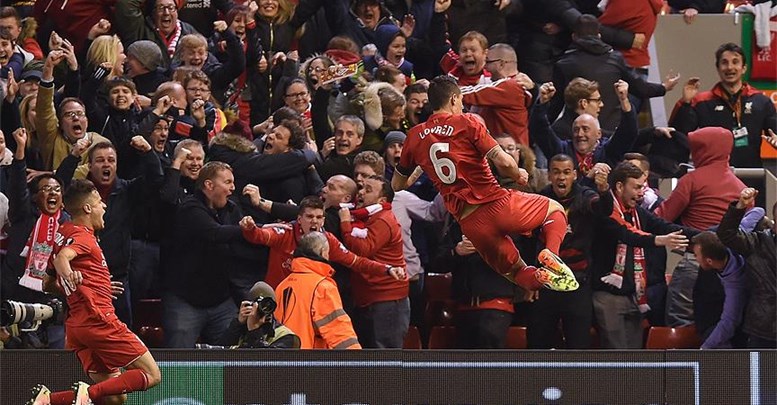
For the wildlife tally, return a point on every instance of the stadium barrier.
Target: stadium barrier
(220, 377)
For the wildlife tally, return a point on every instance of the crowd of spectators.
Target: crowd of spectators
(221, 134)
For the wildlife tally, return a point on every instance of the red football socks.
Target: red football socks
(554, 229)
(129, 381)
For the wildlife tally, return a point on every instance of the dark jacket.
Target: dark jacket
(473, 280)
(123, 204)
(609, 150)
(583, 205)
(714, 109)
(251, 167)
(337, 164)
(270, 335)
(202, 253)
(759, 250)
(610, 232)
(592, 59)
(147, 83)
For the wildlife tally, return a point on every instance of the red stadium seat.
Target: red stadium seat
(439, 313)
(661, 337)
(152, 336)
(516, 338)
(147, 312)
(412, 339)
(442, 337)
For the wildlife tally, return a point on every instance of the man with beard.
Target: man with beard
(620, 266)
(35, 212)
(123, 199)
(57, 135)
(574, 309)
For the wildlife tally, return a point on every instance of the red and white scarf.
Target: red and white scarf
(615, 278)
(361, 215)
(38, 250)
(172, 40)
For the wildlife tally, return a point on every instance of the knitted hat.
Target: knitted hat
(147, 53)
(393, 137)
(32, 71)
(261, 289)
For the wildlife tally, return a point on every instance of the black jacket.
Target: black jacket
(759, 250)
(583, 205)
(123, 203)
(203, 253)
(610, 232)
(592, 59)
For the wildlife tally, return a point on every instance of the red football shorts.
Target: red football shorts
(104, 348)
(489, 227)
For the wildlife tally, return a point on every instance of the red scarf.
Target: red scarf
(615, 278)
(585, 163)
(38, 250)
(172, 40)
(361, 215)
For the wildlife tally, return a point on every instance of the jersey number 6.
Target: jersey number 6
(442, 163)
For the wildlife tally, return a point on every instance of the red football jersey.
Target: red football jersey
(451, 149)
(91, 303)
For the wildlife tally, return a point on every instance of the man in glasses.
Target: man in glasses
(61, 132)
(35, 212)
(159, 22)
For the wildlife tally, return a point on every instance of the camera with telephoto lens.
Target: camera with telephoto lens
(29, 317)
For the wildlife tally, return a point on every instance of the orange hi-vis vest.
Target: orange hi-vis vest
(309, 304)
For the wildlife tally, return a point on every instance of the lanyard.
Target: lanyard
(736, 107)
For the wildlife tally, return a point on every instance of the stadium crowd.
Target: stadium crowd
(221, 134)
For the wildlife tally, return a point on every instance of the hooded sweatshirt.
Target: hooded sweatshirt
(702, 196)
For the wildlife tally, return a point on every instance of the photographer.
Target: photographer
(255, 327)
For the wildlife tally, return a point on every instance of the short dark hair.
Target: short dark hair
(10, 12)
(711, 246)
(210, 171)
(120, 82)
(76, 195)
(297, 138)
(638, 156)
(730, 47)
(415, 88)
(385, 190)
(440, 91)
(587, 26)
(286, 113)
(623, 172)
(310, 202)
(66, 100)
(561, 157)
(99, 146)
(34, 185)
